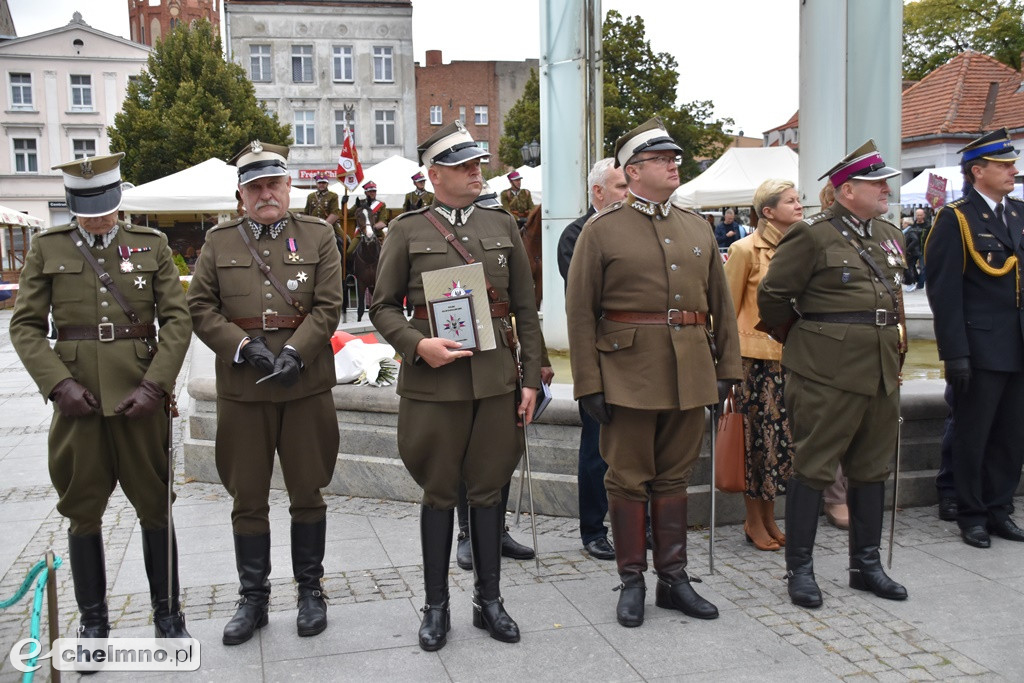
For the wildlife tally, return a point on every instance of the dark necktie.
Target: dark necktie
(1004, 231)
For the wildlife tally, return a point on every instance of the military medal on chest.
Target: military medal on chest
(293, 250)
(125, 252)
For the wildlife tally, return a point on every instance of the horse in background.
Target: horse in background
(364, 266)
(531, 234)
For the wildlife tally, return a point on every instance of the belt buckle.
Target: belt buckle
(880, 317)
(668, 316)
(264, 316)
(105, 332)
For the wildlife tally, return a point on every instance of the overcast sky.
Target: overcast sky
(741, 54)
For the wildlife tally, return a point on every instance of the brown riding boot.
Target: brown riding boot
(628, 524)
(668, 525)
(754, 528)
(768, 513)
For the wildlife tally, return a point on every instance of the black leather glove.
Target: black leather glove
(724, 385)
(596, 407)
(73, 399)
(958, 374)
(145, 400)
(256, 354)
(288, 364)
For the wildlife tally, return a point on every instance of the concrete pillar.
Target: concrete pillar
(850, 86)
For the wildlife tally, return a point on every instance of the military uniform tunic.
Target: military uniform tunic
(417, 199)
(974, 295)
(841, 393)
(89, 455)
(658, 378)
(457, 420)
(254, 420)
(322, 204)
(519, 204)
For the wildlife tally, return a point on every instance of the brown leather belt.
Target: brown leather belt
(499, 309)
(270, 321)
(105, 332)
(880, 317)
(672, 316)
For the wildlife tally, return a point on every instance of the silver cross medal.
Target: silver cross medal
(139, 282)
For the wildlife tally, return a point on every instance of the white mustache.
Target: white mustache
(269, 202)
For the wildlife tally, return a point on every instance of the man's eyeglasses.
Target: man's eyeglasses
(667, 161)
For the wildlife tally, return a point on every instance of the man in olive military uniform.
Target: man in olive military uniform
(645, 283)
(322, 203)
(109, 378)
(843, 354)
(457, 414)
(973, 268)
(368, 210)
(275, 371)
(516, 199)
(419, 197)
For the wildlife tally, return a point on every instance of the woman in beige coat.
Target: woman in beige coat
(769, 445)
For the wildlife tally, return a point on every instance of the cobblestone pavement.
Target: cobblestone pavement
(963, 618)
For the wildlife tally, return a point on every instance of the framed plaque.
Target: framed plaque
(452, 318)
(455, 281)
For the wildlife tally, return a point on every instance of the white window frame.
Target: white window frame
(485, 146)
(462, 114)
(85, 153)
(260, 61)
(21, 89)
(339, 126)
(305, 59)
(436, 115)
(305, 128)
(480, 114)
(383, 122)
(383, 64)
(83, 91)
(343, 64)
(28, 153)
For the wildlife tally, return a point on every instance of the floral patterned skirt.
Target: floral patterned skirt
(768, 439)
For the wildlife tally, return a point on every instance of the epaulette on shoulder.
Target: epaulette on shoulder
(228, 223)
(956, 202)
(304, 218)
(141, 229)
(414, 212)
(57, 229)
(614, 206)
(1015, 199)
(818, 217)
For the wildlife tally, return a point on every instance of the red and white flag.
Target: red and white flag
(350, 171)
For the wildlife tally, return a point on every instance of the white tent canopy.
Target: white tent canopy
(394, 179)
(733, 178)
(208, 187)
(531, 181)
(17, 218)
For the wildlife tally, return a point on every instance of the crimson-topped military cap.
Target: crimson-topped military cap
(864, 163)
(450, 146)
(92, 185)
(649, 136)
(260, 160)
(994, 146)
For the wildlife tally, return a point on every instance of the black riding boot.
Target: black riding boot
(509, 546)
(668, 526)
(168, 619)
(627, 518)
(308, 569)
(866, 503)
(89, 573)
(802, 504)
(463, 553)
(485, 529)
(436, 541)
(252, 558)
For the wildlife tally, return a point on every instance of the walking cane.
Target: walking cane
(711, 536)
(895, 492)
(170, 497)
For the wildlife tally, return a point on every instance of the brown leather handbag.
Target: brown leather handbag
(730, 450)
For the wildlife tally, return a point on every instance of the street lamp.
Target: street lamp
(531, 153)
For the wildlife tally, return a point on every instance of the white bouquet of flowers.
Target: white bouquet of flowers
(363, 361)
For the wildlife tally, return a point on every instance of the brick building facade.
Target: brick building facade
(151, 21)
(480, 93)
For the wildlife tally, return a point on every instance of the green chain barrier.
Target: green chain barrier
(39, 573)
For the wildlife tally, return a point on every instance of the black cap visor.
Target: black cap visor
(93, 203)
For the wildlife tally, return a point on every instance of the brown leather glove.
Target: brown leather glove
(144, 400)
(73, 399)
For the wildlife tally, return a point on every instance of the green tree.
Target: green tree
(188, 105)
(522, 123)
(638, 84)
(935, 31)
